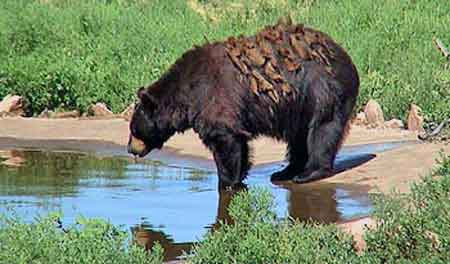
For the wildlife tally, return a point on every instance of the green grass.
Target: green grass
(258, 237)
(90, 241)
(67, 54)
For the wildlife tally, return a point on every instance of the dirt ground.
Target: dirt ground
(395, 168)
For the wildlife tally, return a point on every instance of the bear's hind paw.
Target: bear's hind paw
(312, 176)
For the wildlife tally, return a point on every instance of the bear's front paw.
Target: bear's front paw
(284, 175)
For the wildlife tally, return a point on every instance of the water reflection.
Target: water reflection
(178, 204)
(322, 203)
(145, 236)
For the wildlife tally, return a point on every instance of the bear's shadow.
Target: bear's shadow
(349, 162)
(342, 163)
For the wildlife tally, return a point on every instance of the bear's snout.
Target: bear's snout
(137, 147)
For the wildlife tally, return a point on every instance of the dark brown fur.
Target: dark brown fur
(305, 99)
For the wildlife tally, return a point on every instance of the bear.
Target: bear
(288, 81)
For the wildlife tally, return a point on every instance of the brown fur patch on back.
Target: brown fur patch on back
(266, 58)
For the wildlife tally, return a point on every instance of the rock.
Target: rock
(67, 114)
(128, 112)
(13, 162)
(12, 105)
(415, 120)
(44, 114)
(394, 123)
(12, 158)
(100, 110)
(357, 228)
(360, 119)
(434, 238)
(374, 114)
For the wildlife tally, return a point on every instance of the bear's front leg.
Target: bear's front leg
(231, 154)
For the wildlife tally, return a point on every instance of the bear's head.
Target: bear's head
(146, 132)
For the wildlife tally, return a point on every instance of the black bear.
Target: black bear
(289, 82)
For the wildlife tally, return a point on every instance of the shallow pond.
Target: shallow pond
(172, 204)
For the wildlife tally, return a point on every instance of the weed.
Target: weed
(89, 241)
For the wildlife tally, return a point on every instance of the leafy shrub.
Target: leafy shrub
(91, 241)
(257, 237)
(415, 228)
(412, 228)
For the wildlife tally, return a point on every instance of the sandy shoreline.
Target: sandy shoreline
(394, 168)
(116, 131)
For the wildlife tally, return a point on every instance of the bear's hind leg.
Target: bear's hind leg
(231, 155)
(323, 143)
(297, 156)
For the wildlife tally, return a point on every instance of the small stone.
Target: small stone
(12, 105)
(360, 119)
(357, 228)
(13, 162)
(415, 120)
(100, 110)
(394, 123)
(128, 112)
(374, 114)
(434, 238)
(67, 114)
(44, 114)
(12, 158)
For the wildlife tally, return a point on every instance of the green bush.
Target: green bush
(257, 237)
(415, 228)
(68, 54)
(91, 241)
(412, 228)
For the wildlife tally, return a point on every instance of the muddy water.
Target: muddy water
(172, 204)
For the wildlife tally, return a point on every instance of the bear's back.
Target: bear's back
(276, 54)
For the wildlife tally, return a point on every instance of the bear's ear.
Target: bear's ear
(145, 97)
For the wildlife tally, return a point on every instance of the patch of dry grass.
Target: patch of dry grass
(216, 10)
